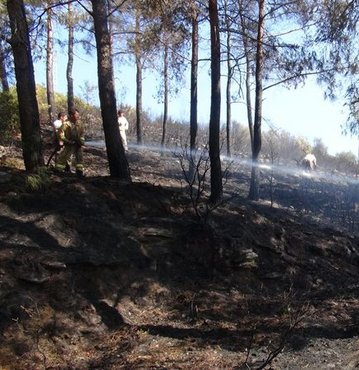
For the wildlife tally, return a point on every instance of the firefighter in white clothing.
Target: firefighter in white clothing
(309, 162)
(123, 126)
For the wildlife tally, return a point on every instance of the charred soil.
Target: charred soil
(97, 273)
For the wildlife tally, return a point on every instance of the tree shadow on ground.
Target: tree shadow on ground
(116, 250)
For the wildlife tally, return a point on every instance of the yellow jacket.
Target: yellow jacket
(72, 133)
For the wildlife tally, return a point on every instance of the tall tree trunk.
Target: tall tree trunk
(248, 79)
(229, 81)
(70, 60)
(25, 86)
(194, 92)
(165, 94)
(138, 82)
(115, 151)
(3, 73)
(139, 130)
(194, 83)
(257, 135)
(229, 108)
(249, 100)
(214, 123)
(50, 65)
(228, 91)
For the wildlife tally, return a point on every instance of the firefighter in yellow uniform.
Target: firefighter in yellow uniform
(71, 134)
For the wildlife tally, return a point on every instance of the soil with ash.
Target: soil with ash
(98, 273)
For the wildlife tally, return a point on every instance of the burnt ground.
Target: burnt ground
(97, 273)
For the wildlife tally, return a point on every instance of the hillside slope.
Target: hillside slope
(101, 274)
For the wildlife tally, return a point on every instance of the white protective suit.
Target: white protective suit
(123, 126)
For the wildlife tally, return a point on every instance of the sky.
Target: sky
(301, 112)
(305, 112)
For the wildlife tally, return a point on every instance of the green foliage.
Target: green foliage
(304, 145)
(90, 114)
(60, 99)
(39, 181)
(9, 113)
(346, 162)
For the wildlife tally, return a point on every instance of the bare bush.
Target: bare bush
(195, 167)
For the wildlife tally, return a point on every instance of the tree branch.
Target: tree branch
(296, 76)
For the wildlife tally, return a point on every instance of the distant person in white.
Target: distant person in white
(123, 126)
(309, 162)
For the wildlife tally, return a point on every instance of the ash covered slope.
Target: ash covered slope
(96, 273)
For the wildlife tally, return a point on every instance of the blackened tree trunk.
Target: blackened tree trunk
(214, 123)
(194, 83)
(257, 135)
(25, 86)
(50, 65)
(3, 73)
(229, 81)
(165, 95)
(139, 130)
(248, 77)
(70, 60)
(194, 94)
(229, 96)
(115, 151)
(249, 100)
